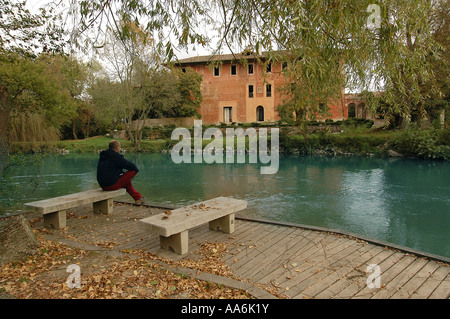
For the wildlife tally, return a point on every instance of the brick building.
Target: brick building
(244, 88)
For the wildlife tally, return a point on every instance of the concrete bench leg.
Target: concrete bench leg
(104, 207)
(225, 224)
(56, 220)
(177, 242)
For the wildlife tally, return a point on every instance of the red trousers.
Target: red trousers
(125, 182)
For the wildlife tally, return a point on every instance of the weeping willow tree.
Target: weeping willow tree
(387, 46)
(381, 45)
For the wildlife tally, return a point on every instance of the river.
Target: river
(400, 201)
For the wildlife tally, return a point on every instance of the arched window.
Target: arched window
(260, 114)
(351, 110)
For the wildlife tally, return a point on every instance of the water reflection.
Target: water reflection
(362, 202)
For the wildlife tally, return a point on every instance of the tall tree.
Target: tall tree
(129, 56)
(22, 35)
(330, 43)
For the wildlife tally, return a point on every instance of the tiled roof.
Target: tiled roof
(222, 57)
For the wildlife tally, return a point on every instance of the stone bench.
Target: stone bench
(173, 226)
(54, 209)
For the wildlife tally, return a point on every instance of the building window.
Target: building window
(183, 70)
(268, 90)
(227, 112)
(323, 108)
(269, 68)
(250, 69)
(233, 70)
(260, 114)
(250, 91)
(284, 66)
(352, 110)
(216, 71)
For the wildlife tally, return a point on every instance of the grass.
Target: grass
(352, 141)
(86, 145)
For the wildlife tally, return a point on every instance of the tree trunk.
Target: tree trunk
(442, 118)
(17, 239)
(5, 109)
(74, 129)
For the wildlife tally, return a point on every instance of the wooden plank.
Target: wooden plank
(298, 258)
(309, 277)
(390, 268)
(261, 256)
(414, 283)
(400, 279)
(359, 279)
(349, 275)
(430, 283)
(252, 237)
(261, 242)
(338, 272)
(314, 262)
(278, 264)
(443, 289)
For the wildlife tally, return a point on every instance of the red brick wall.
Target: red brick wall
(226, 90)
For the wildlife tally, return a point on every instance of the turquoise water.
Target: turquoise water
(401, 201)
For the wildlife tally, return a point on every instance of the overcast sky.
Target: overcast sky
(34, 6)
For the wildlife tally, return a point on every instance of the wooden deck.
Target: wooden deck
(300, 263)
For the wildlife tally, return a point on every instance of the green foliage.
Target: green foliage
(161, 95)
(334, 144)
(173, 93)
(188, 85)
(354, 122)
(427, 144)
(34, 85)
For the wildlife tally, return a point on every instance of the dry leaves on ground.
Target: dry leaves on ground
(45, 275)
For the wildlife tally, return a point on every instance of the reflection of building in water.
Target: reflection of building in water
(229, 179)
(236, 179)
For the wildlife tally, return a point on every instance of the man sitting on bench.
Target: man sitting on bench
(110, 175)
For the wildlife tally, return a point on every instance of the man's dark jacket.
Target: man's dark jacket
(110, 167)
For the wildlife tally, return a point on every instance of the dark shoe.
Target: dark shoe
(139, 201)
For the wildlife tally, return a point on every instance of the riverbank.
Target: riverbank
(413, 143)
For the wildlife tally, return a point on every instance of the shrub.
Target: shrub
(427, 144)
(357, 122)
